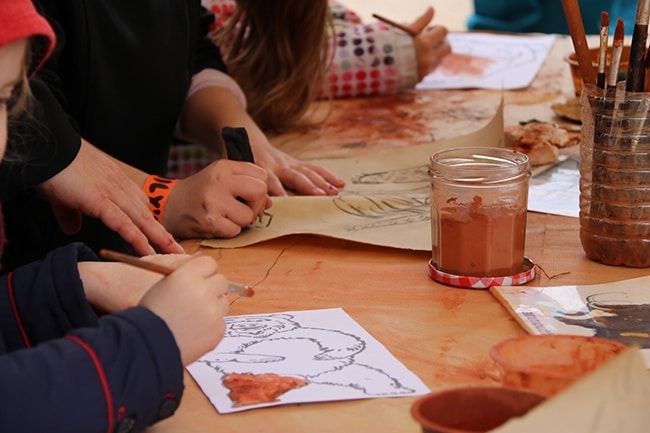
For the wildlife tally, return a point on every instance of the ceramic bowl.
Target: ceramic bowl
(471, 409)
(547, 364)
(576, 76)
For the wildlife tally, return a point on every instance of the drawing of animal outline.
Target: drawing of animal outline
(409, 175)
(505, 55)
(276, 343)
(406, 205)
(408, 201)
(501, 56)
(384, 210)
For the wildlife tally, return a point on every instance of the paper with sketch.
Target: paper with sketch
(619, 311)
(556, 191)
(385, 201)
(489, 61)
(299, 357)
(613, 398)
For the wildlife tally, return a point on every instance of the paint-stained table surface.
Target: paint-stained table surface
(443, 334)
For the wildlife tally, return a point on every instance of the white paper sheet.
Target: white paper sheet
(336, 357)
(490, 61)
(557, 190)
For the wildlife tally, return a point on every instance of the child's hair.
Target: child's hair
(19, 110)
(20, 95)
(278, 53)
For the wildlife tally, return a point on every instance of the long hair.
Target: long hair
(278, 53)
(18, 111)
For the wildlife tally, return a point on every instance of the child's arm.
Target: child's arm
(76, 372)
(124, 371)
(80, 373)
(377, 59)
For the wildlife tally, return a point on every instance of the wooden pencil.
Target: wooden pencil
(234, 288)
(396, 25)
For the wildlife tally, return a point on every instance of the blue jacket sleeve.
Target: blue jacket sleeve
(79, 373)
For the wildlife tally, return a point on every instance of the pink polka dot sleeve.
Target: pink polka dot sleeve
(370, 60)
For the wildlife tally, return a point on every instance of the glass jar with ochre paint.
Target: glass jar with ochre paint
(479, 200)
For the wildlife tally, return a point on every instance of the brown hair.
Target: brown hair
(278, 53)
(19, 110)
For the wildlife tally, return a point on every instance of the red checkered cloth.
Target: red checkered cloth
(528, 273)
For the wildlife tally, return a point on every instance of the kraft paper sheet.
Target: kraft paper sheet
(385, 202)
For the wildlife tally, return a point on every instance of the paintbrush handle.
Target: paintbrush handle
(617, 53)
(135, 261)
(636, 68)
(397, 25)
(602, 53)
(579, 38)
(234, 288)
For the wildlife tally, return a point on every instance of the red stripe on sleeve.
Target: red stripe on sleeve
(14, 308)
(102, 378)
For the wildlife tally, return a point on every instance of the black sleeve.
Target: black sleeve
(45, 139)
(208, 55)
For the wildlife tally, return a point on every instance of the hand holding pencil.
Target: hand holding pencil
(192, 304)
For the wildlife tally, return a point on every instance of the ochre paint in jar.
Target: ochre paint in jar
(479, 240)
(479, 204)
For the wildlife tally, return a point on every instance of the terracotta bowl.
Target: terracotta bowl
(576, 76)
(471, 409)
(547, 364)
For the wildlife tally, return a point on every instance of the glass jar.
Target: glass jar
(479, 201)
(615, 176)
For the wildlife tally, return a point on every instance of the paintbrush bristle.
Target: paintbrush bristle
(619, 32)
(604, 19)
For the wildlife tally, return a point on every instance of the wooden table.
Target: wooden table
(443, 334)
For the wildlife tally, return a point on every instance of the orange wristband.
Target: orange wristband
(157, 189)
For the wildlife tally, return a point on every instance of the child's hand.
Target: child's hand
(192, 301)
(218, 201)
(431, 43)
(112, 286)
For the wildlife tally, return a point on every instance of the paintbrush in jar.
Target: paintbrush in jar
(234, 288)
(614, 69)
(636, 69)
(579, 38)
(602, 53)
(617, 53)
